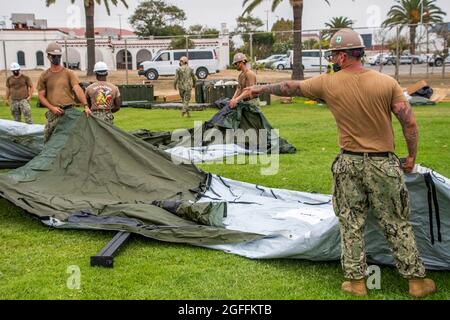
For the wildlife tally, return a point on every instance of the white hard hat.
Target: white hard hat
(100, 67)
(14, 66)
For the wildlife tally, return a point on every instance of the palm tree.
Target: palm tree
(89, 6)
(297, 8)
(409, 12)
(335, 24)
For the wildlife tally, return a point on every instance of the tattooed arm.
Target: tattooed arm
(283, 89)
(405, 116)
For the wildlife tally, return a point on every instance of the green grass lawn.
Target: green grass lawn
(34, 259)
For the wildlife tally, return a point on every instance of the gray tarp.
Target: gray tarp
(92, 175)
(19, 143)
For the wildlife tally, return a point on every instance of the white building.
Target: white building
(27, 47)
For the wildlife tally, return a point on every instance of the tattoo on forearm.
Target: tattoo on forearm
(283, 89)
(404, 114)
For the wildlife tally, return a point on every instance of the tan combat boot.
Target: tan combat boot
(355, 287)
(421, 287)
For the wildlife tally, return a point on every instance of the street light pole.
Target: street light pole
(120, 26)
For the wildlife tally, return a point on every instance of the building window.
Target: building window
(21, 58)
(39, 58)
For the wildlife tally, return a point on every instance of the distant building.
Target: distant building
(21, 21)
(27, 41)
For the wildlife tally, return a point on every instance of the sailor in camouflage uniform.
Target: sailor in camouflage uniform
(184, 82)
(368, 176)
(19, 89)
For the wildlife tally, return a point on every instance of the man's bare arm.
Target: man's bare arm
(283, 89)
(30, 92)
(80, 95)
(117, 104)
(405, 116)
(7, 95)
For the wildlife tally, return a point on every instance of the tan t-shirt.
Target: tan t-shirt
(58, 86)
(18, 87)
(246, 79)
(102, 95)
(361, 104)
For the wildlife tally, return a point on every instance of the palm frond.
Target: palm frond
(252, 6)
(275, 4)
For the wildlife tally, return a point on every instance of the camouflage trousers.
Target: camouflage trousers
(185, 95)
(52, 121)
(106, 116)
(19, 107)
(377, 183)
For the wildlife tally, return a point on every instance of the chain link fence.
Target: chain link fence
(388, 50)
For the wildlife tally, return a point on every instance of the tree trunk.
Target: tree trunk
(90, 35)
(412, 39)
(297, 68)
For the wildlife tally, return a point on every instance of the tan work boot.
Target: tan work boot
(421, 287)
(355, 287)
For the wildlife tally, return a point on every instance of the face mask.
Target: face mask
(336, 67)
(16, 72)
(56, 60)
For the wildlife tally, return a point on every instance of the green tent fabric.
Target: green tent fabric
(93, 175)
(245, 116)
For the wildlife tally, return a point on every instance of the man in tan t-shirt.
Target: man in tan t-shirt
(57, 88)
(103, 97)
(247, 78)
(367, 175)
(20, 89)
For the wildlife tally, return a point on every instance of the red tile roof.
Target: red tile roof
(80, 32)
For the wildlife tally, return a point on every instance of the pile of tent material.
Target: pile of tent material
(19, 143)
(222, 136)
(95, 176)
(212, 140)
(421, 94)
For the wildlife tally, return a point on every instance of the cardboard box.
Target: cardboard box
(416, 86)
(172, 98)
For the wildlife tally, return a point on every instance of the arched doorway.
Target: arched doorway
(39, 59)
(120, 60)
(141, 56)
(73, 58)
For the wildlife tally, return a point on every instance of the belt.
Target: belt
(101, 110)
(67, 107)
(369, 154)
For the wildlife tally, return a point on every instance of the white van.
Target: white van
(166, 62)
(311, 59)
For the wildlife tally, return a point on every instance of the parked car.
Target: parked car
(267, 62)
(281, 64)
(166, 62)
(384, 58)
(311, 60)
(438, 61)
(414, 59)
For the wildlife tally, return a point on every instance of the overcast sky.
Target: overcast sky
(365, 13)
